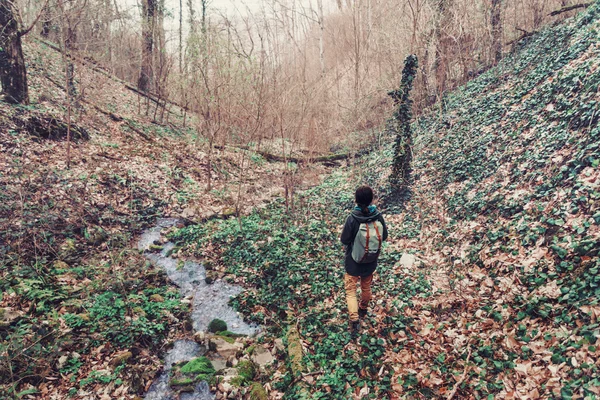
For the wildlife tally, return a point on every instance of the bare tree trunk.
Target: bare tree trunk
(13, 73)
(181, 37)
(497, 30)
(321, 36)
(46, 22)
(70, 40)
(440, 64)
(148, 18)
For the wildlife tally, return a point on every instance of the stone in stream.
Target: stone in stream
(217, 325)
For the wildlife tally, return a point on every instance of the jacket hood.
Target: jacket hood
(361, 217)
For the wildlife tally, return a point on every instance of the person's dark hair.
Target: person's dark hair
(364, 197)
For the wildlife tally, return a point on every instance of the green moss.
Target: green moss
(258, 392)
(238, 381)
(154, 247)
(217, 325)
(226, 338)
(198, 366)
(181, 382)
(250, 349)
(230, 334)
(247, 370)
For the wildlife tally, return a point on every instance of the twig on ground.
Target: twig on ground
(462, 378)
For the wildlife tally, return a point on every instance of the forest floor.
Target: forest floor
(501, 301)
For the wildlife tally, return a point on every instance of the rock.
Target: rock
(61, 265)
(246, 369)
(407, 260)
(188, 212)
(157, 298)
(225, 387)
(120, 358)
(157, 248)
(211, 276)
(262, 357)
(95, 235)
(62, 360)
(279, 345)
(219, 363)
(199, 337)
(187, 374)
(8, 316)
(228, 212)
(217, 325)
(223, 348)
(233, 394)
(257, 392)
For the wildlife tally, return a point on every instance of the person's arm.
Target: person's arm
(347, 232)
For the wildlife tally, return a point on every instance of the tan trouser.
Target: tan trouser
(365, 295)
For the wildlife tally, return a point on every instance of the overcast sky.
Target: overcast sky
(233, 9)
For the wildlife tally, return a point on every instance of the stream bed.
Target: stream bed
(209, 301)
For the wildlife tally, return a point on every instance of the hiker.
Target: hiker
(362, 235)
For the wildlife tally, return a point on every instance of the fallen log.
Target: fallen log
(298, 160)
(569, 8)
(94, 66)
(111, 115)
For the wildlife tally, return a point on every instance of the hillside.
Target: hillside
(502, 299)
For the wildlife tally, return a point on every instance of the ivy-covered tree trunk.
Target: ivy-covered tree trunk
(401, 168)
(13, 73)
(496, 23)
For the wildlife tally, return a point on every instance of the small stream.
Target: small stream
(208, 302)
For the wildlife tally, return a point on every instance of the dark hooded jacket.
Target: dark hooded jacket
(349, 233)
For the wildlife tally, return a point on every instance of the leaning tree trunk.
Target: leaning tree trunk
(148, 18)
(496, 22)
(13, 74)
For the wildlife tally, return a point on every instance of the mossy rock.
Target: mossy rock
(231, 334)
(198, 366)
(155, 248)
(228, 339)
(217, 325)
(181, 382)
(228, 212)
(187, 374)
(258, 392)
(238, 381)
(246, 370)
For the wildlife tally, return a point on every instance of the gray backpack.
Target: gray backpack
(367, 242)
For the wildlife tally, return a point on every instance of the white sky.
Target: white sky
(233, 9)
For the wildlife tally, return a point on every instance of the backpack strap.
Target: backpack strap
(378, 234)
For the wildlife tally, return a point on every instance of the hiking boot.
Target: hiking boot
(362, 312)
(354, 327)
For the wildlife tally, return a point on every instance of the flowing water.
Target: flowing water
(208, 302)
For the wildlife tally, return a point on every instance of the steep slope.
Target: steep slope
(507, 201)
(502, 301)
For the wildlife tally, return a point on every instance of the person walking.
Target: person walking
(363, 234)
